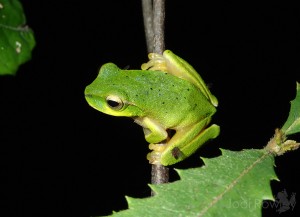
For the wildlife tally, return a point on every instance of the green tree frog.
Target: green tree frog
(166, 96)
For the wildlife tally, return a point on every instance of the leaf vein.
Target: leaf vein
(230, 186)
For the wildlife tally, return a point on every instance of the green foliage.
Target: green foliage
(292, 125)
(16, 39)
(234, 184)
(279, 144)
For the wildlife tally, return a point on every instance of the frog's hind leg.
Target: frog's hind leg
(206, 135)
(183, 144)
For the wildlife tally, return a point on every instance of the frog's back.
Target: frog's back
(163, 96)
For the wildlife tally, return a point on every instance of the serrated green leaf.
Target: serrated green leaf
(292, 125)
(234, 184)
(16, 39)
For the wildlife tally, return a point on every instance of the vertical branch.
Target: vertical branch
(154, 19)
(148, 23)
(159, 26)
(154, 24)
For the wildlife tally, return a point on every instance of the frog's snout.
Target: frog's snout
(88, 95)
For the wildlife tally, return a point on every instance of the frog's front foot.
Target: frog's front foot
(154, 157)
(156, 62)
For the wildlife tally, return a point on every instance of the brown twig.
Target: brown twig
(154, 19)
(159, 26)
(148, 23)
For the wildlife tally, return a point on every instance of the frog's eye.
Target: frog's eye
(114, 102)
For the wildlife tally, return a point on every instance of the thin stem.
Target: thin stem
(154, 18)
(159, 173)
(148, 24)
(159, 25)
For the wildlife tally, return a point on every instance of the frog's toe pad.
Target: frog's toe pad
(159, 147)
(154, 157)
(156, 63)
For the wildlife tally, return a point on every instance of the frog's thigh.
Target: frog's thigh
(185, 142)
(209, 133)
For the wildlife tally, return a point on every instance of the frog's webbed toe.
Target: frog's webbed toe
(156, 63)
(154, 157)
(159, 147)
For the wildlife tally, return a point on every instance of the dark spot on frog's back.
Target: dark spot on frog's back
(195, 106)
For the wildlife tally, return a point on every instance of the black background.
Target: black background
(60, 157)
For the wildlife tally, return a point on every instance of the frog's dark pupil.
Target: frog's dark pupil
(112, 103)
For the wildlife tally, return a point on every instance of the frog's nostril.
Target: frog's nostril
(88, 95)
